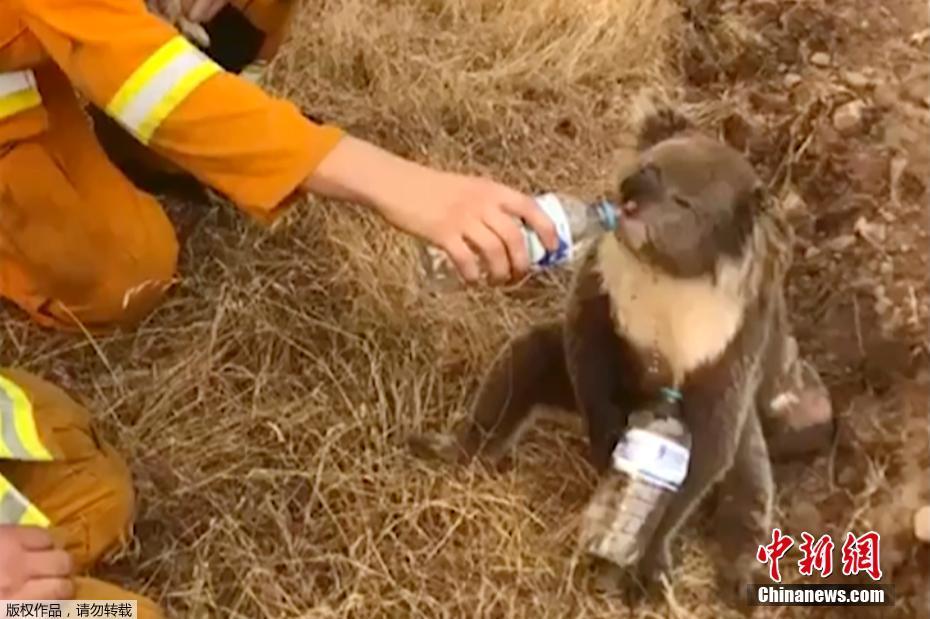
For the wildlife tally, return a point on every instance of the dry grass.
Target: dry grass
(263, 407)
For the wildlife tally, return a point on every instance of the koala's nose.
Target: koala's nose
(629, 208)
(644, 184)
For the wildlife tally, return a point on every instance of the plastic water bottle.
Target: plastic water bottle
(575, 222)
(649, 465)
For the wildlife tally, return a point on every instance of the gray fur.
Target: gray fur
(603, 362)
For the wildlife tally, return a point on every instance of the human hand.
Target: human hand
(470, 218)
(31, 567)
(200, 11)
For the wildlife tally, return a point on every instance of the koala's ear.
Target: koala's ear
(755, 201)
(656, 120)
(663, 124)
(750, 205)
(760, 198)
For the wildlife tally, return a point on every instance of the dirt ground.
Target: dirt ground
(264, 406)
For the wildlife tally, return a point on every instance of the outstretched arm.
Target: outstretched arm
(260, 151)
(452, 211)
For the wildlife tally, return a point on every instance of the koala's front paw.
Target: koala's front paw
(655, 566)
(436, 446)
(734, 579)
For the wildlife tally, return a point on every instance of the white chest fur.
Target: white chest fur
(688, 321)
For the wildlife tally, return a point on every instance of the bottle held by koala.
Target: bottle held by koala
(649, 465)
(575, 222)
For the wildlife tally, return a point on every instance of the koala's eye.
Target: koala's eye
(683, 203)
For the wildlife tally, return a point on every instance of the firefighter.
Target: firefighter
(80, 244)
(66, 497)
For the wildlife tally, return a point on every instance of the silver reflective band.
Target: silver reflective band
(145, 101)
(16, 81)
(18, 92)
(8, 429)
(12, 507)
(159, 85)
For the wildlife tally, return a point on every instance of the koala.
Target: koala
(687, 292)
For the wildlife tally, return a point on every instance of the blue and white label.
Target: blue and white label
(645, 455)
(539, 255)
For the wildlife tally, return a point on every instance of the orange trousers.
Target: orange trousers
(87, 494)
(80, 245)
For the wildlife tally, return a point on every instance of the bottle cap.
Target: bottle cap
(608, 214)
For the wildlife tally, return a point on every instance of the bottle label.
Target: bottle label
(539, 256)
(659, 460)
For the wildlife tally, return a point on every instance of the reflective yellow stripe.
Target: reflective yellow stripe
(34, 518)
(18, 92)
(16, 509)
(159, 85)
(19, 437)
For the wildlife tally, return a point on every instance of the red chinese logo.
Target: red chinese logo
(774, 551)
(817, 555)
(861, 554)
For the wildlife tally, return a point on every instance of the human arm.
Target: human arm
(452, 211)
(259, 151)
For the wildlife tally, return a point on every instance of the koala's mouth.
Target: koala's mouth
(632, 231)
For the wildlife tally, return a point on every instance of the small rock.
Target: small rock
(885, 96)
(847, 477)
(793, 203)
(868, 169)
(820, 59)
(919, 38)
(848, 118)
(883, 305)
(915, 91)
(854, 79)
(738, 130)
(811, 252)
(792, 80)
(922, 524)
(805, 516)
(893, 323)
(840, 243)
(873, 233)
(887, 267)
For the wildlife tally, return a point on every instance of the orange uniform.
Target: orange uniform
(80, 244)
(78, 241)
(56, 472)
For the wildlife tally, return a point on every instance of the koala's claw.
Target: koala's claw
(655, 567)
(172, 12)
(194, 31)
(435, 446)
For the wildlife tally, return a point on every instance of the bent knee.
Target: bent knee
(115, 509)
(137, 270)
(127, 279)
(100, 516)
(86, 490)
